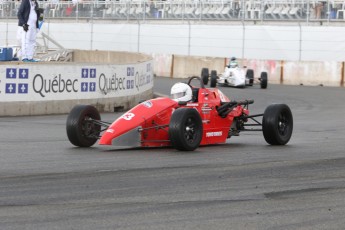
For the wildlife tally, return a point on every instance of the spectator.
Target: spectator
(153, 9)
(318, 10)
(28, 15)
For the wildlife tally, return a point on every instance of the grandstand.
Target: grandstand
(248, 10)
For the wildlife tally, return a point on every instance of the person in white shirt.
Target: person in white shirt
(28, 15)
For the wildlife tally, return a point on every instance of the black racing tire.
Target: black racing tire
(80, 131)
(185, 129)
(205, 75)
(213, 82)
(263, 80)
(250, 76)
(277, 124)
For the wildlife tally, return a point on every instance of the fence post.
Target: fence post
(6, 31)
(91, 35)
(138, 45)
(300, 42)
(342, 74)
(189, 37)
(243, 39)
(282, 72)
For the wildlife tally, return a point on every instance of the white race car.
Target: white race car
(233, 76)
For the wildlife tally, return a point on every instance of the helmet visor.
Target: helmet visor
(178, 95)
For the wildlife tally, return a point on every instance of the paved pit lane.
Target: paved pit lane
(46, 183)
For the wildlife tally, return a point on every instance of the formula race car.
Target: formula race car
(234, 76)
(194, 116)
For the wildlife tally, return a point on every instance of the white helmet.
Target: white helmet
(233, 64)
(181, 92)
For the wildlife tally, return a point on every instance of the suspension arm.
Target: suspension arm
(227, 107)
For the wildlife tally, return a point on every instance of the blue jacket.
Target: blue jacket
(24, 12)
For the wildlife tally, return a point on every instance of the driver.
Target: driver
(181, 92)
(233, 63)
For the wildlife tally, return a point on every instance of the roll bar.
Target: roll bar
(198, 78)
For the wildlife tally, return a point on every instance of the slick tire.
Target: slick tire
(213, 82)
(277, 124)
(205, 75)
(263, 80)
(81, 131)
(185, 129)
(250, 77)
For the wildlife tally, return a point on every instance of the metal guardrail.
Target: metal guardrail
(236, 10)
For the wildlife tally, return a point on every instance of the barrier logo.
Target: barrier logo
(84, 73)
(24, 73)
(92, 87)
(130, 71)
(17, 86)
(10, 88)
(84, 86)
(11, 73)
(89, 86)
(23, 88)
(92, 73)
(88, 73)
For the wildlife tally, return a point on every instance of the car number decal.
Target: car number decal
(128, 116)
(110, 131)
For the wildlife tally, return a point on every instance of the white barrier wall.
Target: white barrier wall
(288, 42)
(32, 88)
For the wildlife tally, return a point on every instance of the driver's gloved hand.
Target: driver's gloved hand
(26, 27)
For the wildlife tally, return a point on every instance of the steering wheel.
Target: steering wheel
(198, 78)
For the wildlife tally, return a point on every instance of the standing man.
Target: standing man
(28, 15)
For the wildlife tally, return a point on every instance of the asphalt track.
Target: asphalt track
(46, 183)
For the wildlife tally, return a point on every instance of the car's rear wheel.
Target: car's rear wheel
(185, 129)
(213, 82)
(263, 80)
(81, 130)
(250, 77)
(277, 124)
(205, 75)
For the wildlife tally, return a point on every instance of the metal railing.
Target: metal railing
(228, 10)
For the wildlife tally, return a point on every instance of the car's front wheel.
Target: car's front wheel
(277, 124)
(214, 77)
(263, 80)
(204, 75)
(185, 129)
(250, 77)
(81, 130)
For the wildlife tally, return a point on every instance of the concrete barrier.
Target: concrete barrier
(121, 79)
(109, 80)
(279, 72)
(111, 57)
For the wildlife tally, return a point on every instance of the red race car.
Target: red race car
(194, 116)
